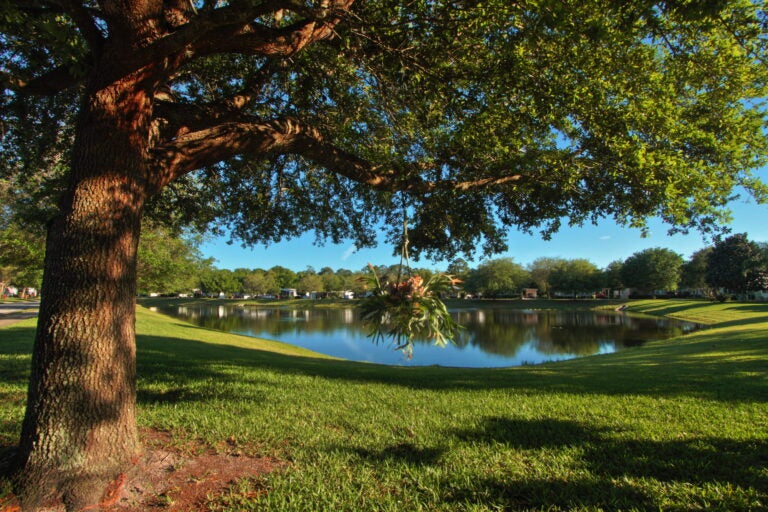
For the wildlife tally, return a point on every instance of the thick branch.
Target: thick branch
(257, 39)
(48, 84)
(209, 146)
(231, 29)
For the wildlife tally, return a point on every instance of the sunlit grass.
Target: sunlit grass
(675, 425)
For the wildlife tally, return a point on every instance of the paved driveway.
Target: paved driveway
(11, 312)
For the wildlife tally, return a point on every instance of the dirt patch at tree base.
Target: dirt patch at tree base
(170, 477)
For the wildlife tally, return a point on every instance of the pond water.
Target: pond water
(490, 338)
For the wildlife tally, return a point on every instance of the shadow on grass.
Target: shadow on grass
(401, 452)
(695, 460)
(613, 465)
(670, 308)
(549, 494)
(675, 368)
(659, 370)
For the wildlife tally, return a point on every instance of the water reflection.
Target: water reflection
(491, 338)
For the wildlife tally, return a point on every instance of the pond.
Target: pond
(490, 338)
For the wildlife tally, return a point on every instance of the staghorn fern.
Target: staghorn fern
(408, 310)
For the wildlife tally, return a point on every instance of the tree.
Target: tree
(576, 277)
(214, 281)
(612, 276)
(541, 270)
(500, 277)
(21, 254)
(284, 277)
(736, 264)
(652, 270)
(459, 268)
(694, 271)
(273, 118)
(168, 263)
(309, 281)
(331, 280)
(260, 282)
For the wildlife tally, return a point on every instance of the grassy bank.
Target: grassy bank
(674, 425)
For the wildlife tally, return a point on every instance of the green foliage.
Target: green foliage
(22, 249)
(597, 109)
(652, 270)
(541, 270)
(694, 271)
(219, 280)
(500, 277)
(577, 276)
(168, 263)
(408, 310)
(260, 282)
(310, 282)
(736, 264)
(612, 275)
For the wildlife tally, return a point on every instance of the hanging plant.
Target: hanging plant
(410, 308)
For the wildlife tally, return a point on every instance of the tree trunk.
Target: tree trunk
(79, 433)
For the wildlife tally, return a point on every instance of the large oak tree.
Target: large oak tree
(269, 118)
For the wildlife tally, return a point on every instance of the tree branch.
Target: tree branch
(258, 39)
(208, 146)
(48, 84)
(231, 29)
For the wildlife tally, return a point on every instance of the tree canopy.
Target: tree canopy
(737, 264)
(497, 278)
(652, 270)
(281, 117)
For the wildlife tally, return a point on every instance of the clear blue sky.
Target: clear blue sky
(600, 244)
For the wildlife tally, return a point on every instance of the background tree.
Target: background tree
(541, 270)
(169, 263)
(350, 281)
(22, 242)
(693, 275)
(331, 281)
(735, 264)
(214, 281)
(309, 281)
(260, 282)
(22, 248)
(458, 268)
(612, 276)
(652, 270)
(268, 119)
(500, 277)
(284, 277)
(575, 277)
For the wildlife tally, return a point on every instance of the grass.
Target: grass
(674, 425)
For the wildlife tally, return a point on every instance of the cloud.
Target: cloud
(349, 252)
(605, 237)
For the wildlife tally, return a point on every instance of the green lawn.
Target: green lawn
(674, 425)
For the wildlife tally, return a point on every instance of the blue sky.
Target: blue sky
(600, 244)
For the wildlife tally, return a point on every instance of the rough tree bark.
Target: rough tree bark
(79, 431)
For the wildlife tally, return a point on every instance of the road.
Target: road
(11, 312)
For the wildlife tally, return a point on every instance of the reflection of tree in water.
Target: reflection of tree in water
(559, 332)
(489, 331)
(273, 322)
(492, 331)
